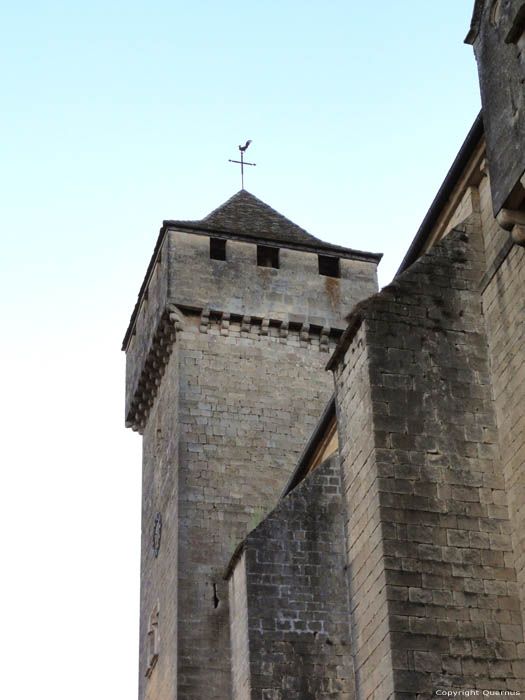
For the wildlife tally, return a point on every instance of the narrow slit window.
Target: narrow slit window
(217, 248)
(329, 266)
(267, 256)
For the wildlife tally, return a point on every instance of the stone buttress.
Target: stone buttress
(433, 587)
(289, 598)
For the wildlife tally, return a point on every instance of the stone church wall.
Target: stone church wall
(368, 602)
(439, 571)
(159, 571)
(151, 310)
(219, 444)
(240, 435)
(503, 294)
(294, 292)
(240, 641)
(295, 611)
(226, 381)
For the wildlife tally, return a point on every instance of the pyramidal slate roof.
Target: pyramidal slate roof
(245, 215)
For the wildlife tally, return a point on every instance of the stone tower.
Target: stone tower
(225, 380)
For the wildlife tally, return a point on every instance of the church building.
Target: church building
(334, 476)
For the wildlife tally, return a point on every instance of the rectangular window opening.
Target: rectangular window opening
(267, 256)
(329, 266)
(217, 248)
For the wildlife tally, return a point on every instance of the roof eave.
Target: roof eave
(318, 245)
(143, 287)
(465, 152)
(301, 469)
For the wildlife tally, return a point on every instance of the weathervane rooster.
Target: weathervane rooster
(241, 161)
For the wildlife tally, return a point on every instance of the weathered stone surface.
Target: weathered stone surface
(225, 380)
(240, 286)
(240, 436)
(427, 527)
(160, 483)
(296, 598)
(182, 276)
(497, 33)
(504, 314)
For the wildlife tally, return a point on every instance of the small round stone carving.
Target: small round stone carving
(157, 532)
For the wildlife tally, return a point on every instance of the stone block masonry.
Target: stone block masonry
(182, 276)
(368, 603)
(238, 285)
(220, 442)
(289, 604)
(240, 435)
(159, 573)
(434, 598)
(225, 381)
(503, 288)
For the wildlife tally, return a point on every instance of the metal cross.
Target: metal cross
(241, 161)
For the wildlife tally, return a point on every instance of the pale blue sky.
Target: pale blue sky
(113, 117)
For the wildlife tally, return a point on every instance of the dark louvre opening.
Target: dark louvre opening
(329, 266)
(267, 257)
(217, 249)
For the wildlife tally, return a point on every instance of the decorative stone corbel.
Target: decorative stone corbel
(514, 221)
(176, 317)
(324, 338)
(154, 366)
(304, 333)
(225, 324)
(204, 320)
